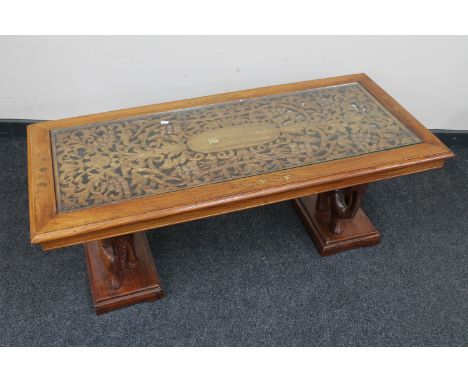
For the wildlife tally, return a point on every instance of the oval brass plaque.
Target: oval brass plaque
(230, 138)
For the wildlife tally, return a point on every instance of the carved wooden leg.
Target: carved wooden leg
(335, 220)
(121, 272)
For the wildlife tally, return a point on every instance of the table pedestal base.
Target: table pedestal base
(121, 272)
(332, 234)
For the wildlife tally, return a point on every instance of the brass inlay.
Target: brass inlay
(152, 154)
(231, 138)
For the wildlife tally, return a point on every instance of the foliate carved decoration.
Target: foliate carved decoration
(342, 203)
(153, 154)
(118, 254)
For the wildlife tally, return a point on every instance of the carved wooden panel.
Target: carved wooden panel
(124, 159)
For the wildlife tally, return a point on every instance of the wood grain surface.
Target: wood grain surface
(116, 285)
(53, 228)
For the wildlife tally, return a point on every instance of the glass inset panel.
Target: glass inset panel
(117, 160)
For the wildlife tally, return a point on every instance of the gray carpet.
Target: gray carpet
(253, 278)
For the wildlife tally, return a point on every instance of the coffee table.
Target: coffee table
(103, 179)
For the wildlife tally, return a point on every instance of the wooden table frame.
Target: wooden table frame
(51, 229)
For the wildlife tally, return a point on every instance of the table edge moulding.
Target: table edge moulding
(53, 230)
(327, 195)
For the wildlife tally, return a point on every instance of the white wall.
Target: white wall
(56, 77)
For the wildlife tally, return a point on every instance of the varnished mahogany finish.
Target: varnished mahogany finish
(150, 184)
(52, 229)
(335, 224)
(121, 272)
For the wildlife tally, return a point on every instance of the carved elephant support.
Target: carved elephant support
(118, 256)
(343, 204)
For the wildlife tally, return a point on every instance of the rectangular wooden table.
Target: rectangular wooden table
(103, 179)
